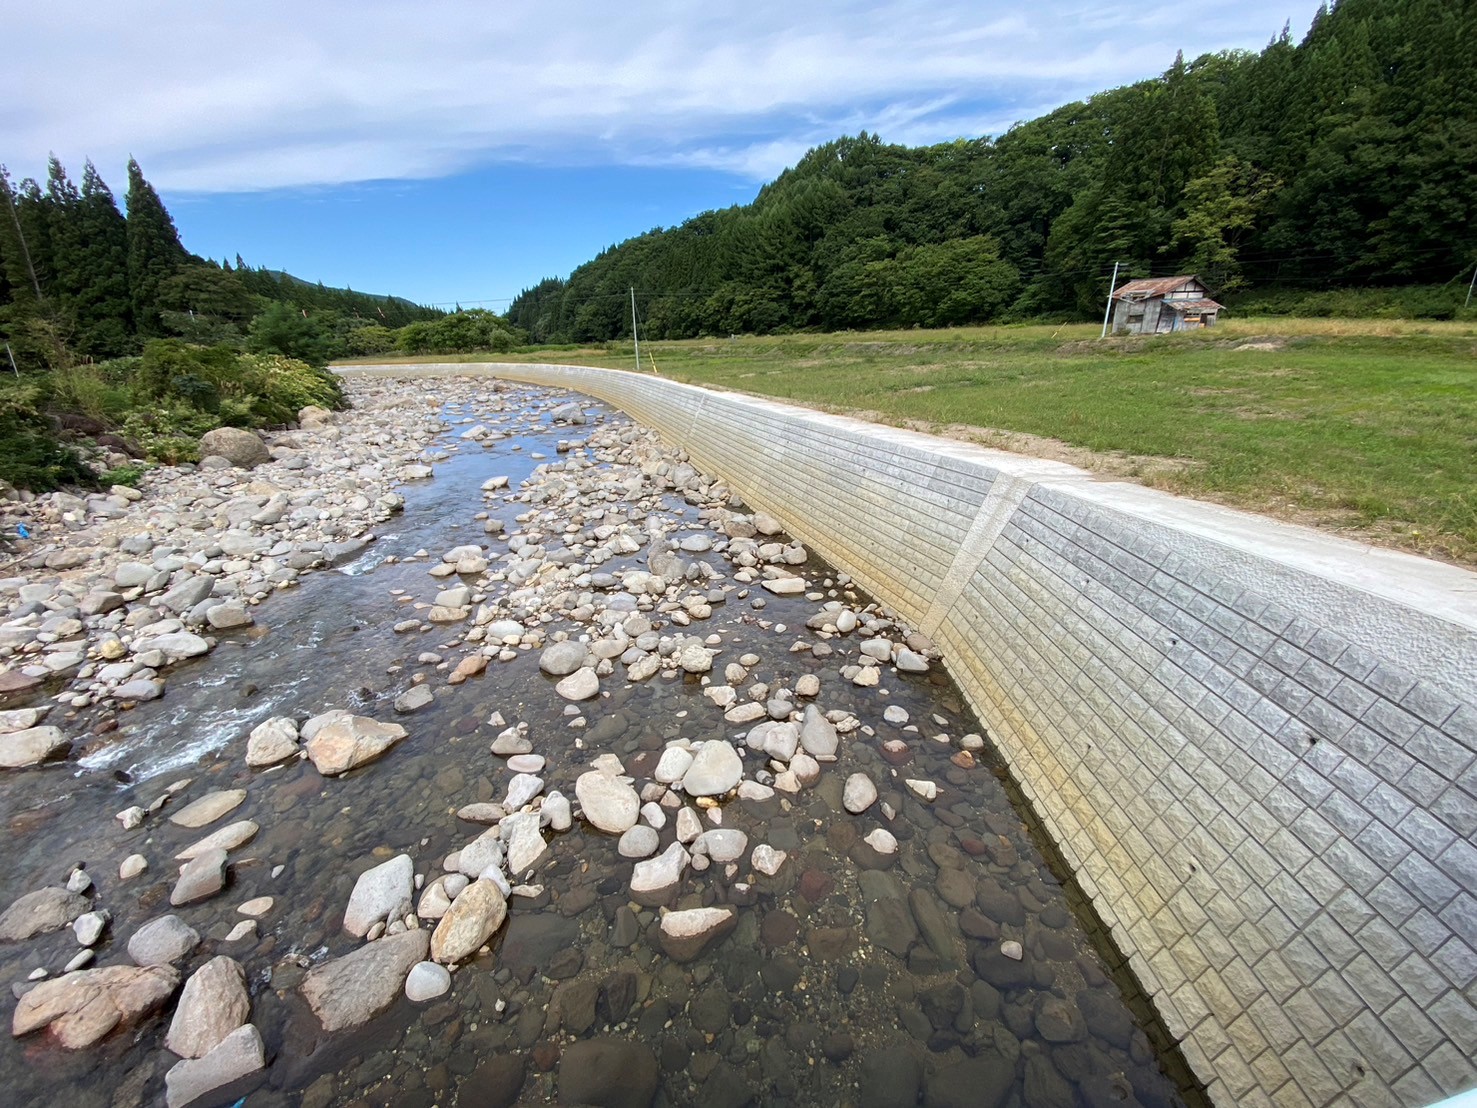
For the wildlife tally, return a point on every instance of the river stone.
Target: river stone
(983, 1082)
(427, 981)
(890, 1077)
(415, 698)
(721, 844)
(673, 763)
(716, 768)
(472, 919)
(32, 746)
(890, 925)
(40, 912)
(817, 735)
(512, 742)
(341, 741)
(227, 617)
(560, 659)
(161, 941)
(526, 763)
(639, 841)
(582, 684)
(610, 1073)
(271, 742)
(860, 793)
(936, 926)
(243, 449)
(209, 808)
(213, 1003)
(767, 860)
(140, 689)
(202, 877)
(1057, 1021)
(881, 840)
(654, 880)
(82, 1007)
(351, 990)
(382, 893)
(176, 646)
(526, 845)
(686, 935)
(228, 838)
(238, 1054)
(607, 802)
(20, 719)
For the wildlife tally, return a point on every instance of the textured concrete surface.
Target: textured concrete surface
(1256, 744)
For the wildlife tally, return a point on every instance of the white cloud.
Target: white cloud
(273, 94)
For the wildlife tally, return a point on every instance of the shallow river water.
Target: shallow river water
(849, 979)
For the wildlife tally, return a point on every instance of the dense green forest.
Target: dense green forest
(1343, 161)
(79, 280)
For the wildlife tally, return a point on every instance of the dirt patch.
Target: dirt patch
(1262, 344)
(918, 388)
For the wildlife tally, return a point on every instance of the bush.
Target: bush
(1410, 302)
(33, 457)
(129, 475)
(459, 333)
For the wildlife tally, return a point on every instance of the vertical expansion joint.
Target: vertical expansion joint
(1005, 496)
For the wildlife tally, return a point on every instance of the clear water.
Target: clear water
(792, 1008)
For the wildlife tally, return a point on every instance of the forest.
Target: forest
(1341, 162)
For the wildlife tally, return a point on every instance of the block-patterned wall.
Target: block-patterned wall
(1256, 745)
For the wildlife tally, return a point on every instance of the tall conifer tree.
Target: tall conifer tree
(154, 251)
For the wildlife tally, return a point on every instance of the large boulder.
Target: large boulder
(381, 894)
(32, 746)
(237, 1055)
(213, 1003)
(473, 918)
(338, 741)
(82, 1007)
(607, 802)
(351, 990)
(37, 913)
(243, 449)
(162, 940)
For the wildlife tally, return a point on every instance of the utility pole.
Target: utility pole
(635, 337)
(1108, 311)
(1470, 287)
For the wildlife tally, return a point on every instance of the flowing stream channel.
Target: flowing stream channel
(850, 978)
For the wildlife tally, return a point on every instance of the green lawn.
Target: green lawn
(1368, 428)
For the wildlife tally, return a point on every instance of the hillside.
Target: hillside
(1343, 160)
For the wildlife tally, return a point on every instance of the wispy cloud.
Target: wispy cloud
(274, 94)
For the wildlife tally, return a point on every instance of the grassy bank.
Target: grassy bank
(1364, 427)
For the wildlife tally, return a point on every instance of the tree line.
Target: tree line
(80, 280)
(1343, 160)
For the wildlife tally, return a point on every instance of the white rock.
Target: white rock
(927, 790)
(859, 794)
(381, 893)
(659, 876)
(673, 763)
(607, 802)
(639, 841)
(881, 840)
(426, 981)
(582, 684)
(721, 844)
(767, 860)
(716, 768)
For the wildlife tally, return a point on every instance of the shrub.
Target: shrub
(33, 457)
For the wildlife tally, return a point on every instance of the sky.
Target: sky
(458, 151)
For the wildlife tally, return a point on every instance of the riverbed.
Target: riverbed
(948, 961)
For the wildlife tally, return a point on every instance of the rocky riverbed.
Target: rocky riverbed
(575, 781)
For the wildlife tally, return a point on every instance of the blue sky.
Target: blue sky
(454, 150)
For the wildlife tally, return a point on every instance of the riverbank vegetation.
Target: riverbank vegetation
(1367, 428)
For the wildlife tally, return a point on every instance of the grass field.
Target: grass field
(1364, 427)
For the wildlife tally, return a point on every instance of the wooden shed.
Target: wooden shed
(1158, 305)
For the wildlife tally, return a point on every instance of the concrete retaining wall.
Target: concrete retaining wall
(1256, 744)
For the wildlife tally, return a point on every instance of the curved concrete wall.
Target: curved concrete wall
(1256, 744)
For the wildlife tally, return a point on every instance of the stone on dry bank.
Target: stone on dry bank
(235, 1056)
(351, 990)
(339, 741)
(607, 802)
(243, 449)
(82, 1007)
(212, 1004)
(40, 912)
(381, 894)
(472, 919)
(32, 746)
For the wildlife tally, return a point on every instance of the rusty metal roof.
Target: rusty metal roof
(1202, 305)
(1153, 286)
